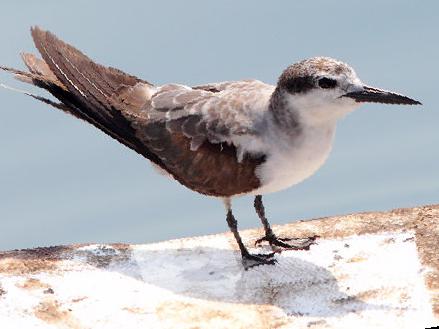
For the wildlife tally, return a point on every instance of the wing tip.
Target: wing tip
(36, 31)
(41, 36)
(38, 35)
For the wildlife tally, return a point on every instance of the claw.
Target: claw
(294, 243)
(253, 260)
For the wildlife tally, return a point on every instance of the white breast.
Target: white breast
(294, 160)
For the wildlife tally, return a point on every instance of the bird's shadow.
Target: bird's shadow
(296, 286)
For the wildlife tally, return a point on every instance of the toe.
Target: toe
(250, 261)
(289, 243)
(295, 243)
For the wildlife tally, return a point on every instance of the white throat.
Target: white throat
(294, 156)
(320, 109)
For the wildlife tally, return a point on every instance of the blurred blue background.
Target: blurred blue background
(63, 181)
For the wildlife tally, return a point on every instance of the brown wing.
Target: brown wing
(121, 105)
(194, 130)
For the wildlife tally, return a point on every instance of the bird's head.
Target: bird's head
(321, 89)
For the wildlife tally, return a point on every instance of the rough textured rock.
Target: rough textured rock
(370, 270)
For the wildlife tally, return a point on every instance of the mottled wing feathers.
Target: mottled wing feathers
(186, 131)
(217, 113)
(194, 130)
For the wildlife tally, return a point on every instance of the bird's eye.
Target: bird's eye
(327, 83)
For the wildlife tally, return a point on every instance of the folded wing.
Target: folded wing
(188, 132)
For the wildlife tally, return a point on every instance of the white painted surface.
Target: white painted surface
(367, 281)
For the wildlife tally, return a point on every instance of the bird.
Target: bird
(224, 139)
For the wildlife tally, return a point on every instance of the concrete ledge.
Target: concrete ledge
(370, 270)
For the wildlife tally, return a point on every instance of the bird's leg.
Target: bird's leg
(248, 260)
(272, 239)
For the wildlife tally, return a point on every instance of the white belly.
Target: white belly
(289, 164)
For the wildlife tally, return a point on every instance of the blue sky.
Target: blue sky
(62, 181)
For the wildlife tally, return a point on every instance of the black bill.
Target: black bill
(375, 95)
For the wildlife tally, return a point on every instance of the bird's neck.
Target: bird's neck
(279, 109)
(293, 113)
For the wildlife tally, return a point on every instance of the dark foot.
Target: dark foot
(288, 243)
(252, 260)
